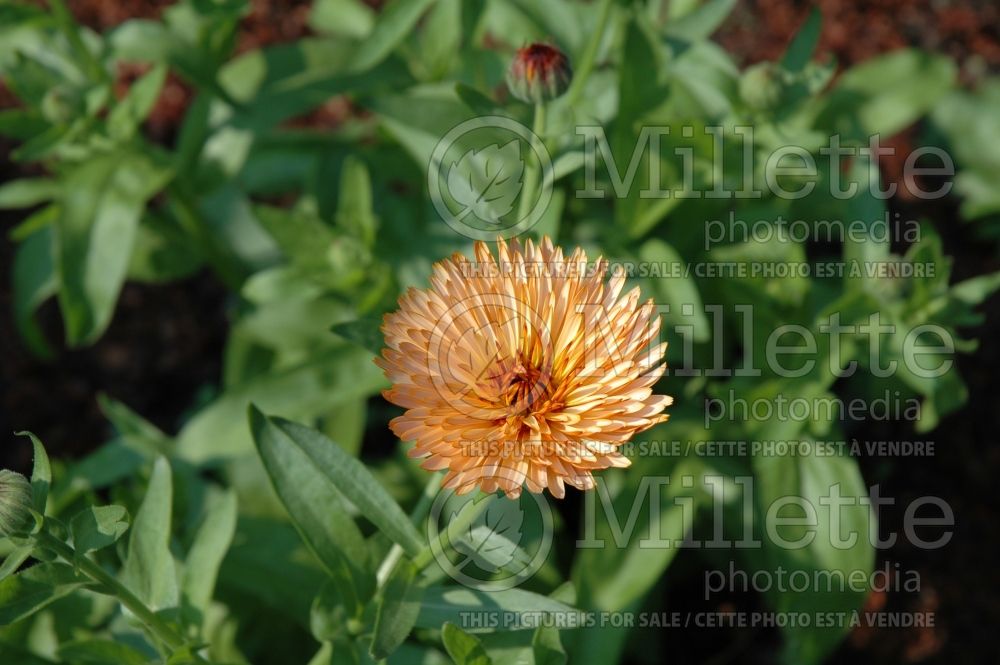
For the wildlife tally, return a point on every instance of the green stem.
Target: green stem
(586, 63)
(417, 516)
(157, 626)
(455, 527)
(531, 171)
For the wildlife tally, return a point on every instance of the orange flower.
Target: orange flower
(524, 370)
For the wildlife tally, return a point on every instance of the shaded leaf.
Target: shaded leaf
(97, 527)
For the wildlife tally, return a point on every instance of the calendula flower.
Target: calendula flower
(525, 370)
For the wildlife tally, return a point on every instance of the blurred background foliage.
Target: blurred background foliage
(297, 179)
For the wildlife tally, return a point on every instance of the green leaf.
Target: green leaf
(98, 527)
(201, 569)
(268, 563)
(886, 94)
(547, 647)
(25, 593)
(398, 609)
(810, 479)
(463, 648)
(34, 282)
(395, 22)
(677, 292)
(14, 560)
(354, 209)
(317, 509)
(352, 479)
(149, 570)
(41, 474)
(134, 428)
(366, 332)
(305, 390)
(27, 192)
(345, 18)
(101, 652)
(102, 202)
(442, 604)
(37, 221)
(702, 22)
(801, 49)
(128, 114)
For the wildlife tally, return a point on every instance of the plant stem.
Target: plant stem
(157, 626)
(586, 64)
(417, 516)
(532, 168)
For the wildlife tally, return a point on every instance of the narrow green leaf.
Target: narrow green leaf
(27, 192)
(205, 557)
(701, 22)
(33, 223)
(366, 332)
(677, 292)
(34, 283)
(347, 18)
(149, 570)
(354, 208)
(25, 593)
(132, 427)
(547, 647)
(316, 507)
(801, 49)
(97, 527)
(14, 560)
(355, 482)
(41, 474)
(102, 202)
(128, 114)
(463, 648)
(809, 480)
(441, 604)
(101, 652)
(398, 609)
(395, 22)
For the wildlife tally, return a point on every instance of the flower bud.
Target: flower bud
(762, 86)
(539, 73)
(15, 504)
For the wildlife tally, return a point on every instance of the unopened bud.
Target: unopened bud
(762, 86)
(539, 73)
(15, 504)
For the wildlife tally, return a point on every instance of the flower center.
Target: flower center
(521, 385)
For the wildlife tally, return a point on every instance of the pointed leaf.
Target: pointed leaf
(351, 478)
(315, 505)
(464, 649)
(98, 527)
(149, 570)
(398, 609)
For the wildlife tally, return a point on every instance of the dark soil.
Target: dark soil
(165, 342)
